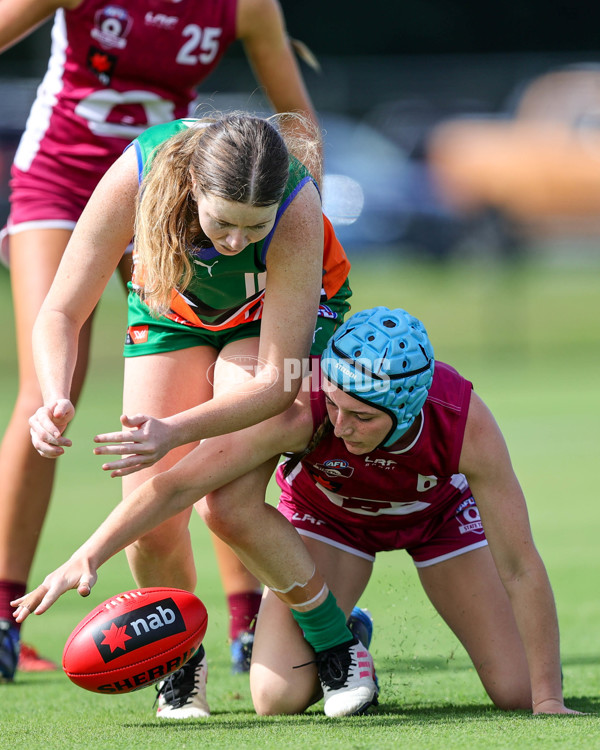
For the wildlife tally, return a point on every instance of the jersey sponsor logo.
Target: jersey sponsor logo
(138, 628)
(160, 20)
(467, 515)
(112, 25)
(367, 506)
(101, 109)
(380, 463)
(425, 483)
(335, 467)
(137, 335)
(102, 64)
(307, 518)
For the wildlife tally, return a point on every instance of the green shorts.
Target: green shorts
(149, 335)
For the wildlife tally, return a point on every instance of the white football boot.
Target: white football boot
(347, 676)
(183, 694)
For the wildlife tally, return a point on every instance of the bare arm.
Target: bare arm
(93, 253)
(294, 264)
(261, 28)
(21, 17)
(211, 465)
(486, 463)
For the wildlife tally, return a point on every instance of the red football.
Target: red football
(134, 639)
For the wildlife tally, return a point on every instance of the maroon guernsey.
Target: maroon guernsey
(390, 488)
(115, 69)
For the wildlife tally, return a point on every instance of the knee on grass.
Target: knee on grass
(511, 698)
(278, 702)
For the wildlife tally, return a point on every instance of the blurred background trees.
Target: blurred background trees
(396, 82)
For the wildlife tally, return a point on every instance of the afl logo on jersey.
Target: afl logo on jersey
(335, 467)
(112, 24)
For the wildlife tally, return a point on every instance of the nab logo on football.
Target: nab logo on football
(134, 639)
(138, 628)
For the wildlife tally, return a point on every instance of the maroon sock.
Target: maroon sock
(243, 609)
(10, 590)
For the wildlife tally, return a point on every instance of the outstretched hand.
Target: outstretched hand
(47, 425)
(74, 574)
(145, 441)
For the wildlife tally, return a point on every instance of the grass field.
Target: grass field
(529, 338)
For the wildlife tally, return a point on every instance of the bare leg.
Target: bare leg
(235, 577)
(27, 478)
(241, 588)
(278, 688)
(469, 595)
(261, 537)
(230, 369)
(160, 385)
(243, 597)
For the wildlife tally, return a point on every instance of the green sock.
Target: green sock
(325, 626)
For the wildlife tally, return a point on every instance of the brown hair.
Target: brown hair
(237, 157)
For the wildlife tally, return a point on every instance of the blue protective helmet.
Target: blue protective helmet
(384, 358)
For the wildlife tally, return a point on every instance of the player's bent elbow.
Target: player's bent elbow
(283, 395)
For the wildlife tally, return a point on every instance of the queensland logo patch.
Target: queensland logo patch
(138, 628)
(467, 515)
(112, 24)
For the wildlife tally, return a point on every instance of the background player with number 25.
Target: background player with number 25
(115, 69)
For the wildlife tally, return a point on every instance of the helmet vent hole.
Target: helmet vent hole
(371, 338)
(411, 389)
(402, 345)
(402, 406)
(405, 364)
(389, 323)
(357, 353)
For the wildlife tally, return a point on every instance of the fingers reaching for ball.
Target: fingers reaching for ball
(26, 605)
(68, 576)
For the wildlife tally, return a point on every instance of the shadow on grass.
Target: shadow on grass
(47, 679)
(390, 664)
(386, 714)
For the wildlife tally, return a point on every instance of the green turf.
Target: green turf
(529, 338)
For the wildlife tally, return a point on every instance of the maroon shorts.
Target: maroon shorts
(38, 203)
(455, 530)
